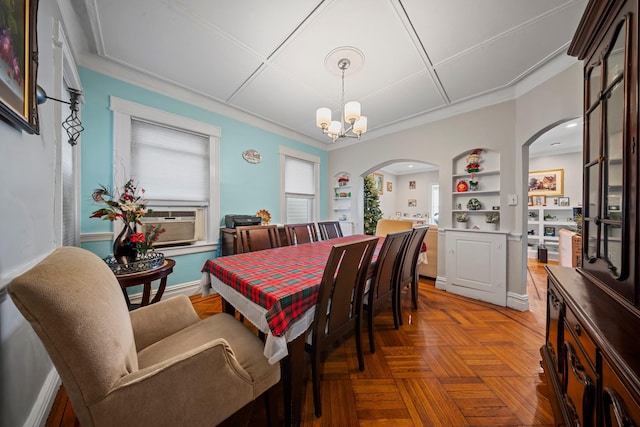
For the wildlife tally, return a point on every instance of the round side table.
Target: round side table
(145, 278)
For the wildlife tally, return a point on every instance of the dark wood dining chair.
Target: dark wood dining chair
(385, 279)
(329, 229)
(301, 233)
(253, 238)
(409, 269)
(339, 307)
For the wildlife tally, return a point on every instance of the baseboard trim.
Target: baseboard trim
(42, 407)
(441, 283)
(187, 288)
(518, 302)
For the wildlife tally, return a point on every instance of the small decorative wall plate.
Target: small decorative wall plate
(252, 156)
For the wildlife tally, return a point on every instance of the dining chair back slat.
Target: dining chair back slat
(339, 307)
(385, 279)
(253, 238)
(301, 233)
(409, 270)
(329, 229)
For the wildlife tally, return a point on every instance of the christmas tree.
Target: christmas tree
(372, 212)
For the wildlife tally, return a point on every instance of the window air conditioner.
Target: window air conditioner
(182, 227)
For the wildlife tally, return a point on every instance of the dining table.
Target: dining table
(276, 290)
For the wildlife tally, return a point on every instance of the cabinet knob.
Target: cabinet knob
(578, 329)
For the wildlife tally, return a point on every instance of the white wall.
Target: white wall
(388, 199)
(421, 193)
(571, 163)
(28, 189)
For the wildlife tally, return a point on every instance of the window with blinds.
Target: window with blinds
(176, 160)
(299, 189)
(171, 164)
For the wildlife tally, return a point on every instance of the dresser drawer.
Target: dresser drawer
(555, 309)
(584, 341)
(619, 407)
(578, 384)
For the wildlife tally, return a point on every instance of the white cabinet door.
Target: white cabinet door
(477, 265)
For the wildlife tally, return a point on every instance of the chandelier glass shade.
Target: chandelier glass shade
(351, 124)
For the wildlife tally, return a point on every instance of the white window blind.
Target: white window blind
(299, 209)
(69, 236)
(299, 190)
(298, 176)
(170, 164)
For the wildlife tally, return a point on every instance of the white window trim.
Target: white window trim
(289, 152)
(123, 111)
(65, 70)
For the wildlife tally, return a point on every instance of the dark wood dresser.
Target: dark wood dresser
(591, 356)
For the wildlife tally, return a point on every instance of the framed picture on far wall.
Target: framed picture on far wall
(413, 203)
(563, 201)
(546, 183)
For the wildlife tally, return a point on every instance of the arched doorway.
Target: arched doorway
(555, 151)
(409, 189)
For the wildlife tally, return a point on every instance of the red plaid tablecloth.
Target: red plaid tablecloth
(284, 281)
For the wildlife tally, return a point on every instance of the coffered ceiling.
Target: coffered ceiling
(422, 58)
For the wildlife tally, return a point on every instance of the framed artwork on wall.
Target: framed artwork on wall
(19, 66)
(413, 203)
(563, 201)
(389, 186)
(412, 185)
(546, 183)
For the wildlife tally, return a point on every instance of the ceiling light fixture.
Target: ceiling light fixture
(350, 113)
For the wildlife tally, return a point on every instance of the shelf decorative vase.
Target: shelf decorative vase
(124, 250)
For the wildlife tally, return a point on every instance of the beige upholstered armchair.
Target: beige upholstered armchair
(159, 365)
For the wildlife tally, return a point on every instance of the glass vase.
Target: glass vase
(124, 250)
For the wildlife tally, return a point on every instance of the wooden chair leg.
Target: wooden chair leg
(398, 307)
(372, 344)
(315, 378)
(359, 342)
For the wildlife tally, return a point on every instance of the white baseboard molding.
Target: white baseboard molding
(518, 302)
(44, 402)
(441, 283)
(188, 289)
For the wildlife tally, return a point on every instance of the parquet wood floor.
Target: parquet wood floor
(454, 362)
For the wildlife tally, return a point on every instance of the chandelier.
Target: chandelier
(350, 115)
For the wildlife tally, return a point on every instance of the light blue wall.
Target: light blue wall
(244, 188)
